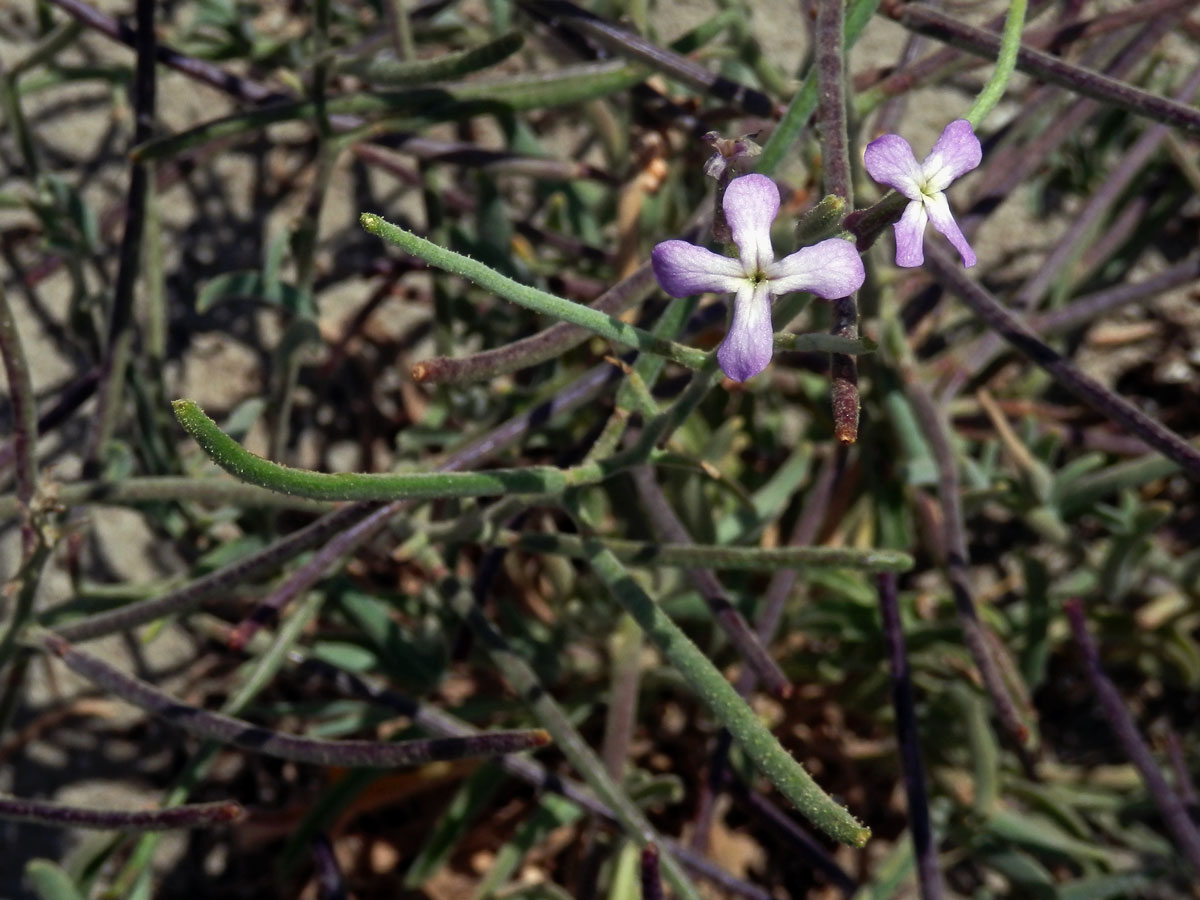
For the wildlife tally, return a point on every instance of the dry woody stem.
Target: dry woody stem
(227, 730)
(58, 815)
(1170, 806)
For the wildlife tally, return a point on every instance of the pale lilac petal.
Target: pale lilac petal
(751, 204)
(943, 220)
(956, 152)
(747, 348)
(910, 233)
(830, 269)
(889, 160)
(683, 269)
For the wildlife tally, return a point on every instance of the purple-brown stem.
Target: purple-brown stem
(537, 348)
(889, 115)
(1053, 39)
(798, 841)
(308, 574)
(620, 720)
(1183, 778)
(436, 721)
(804, 532)
(193, 594)
(843, 373)
(1011, 168)
(1170, 806)
(1129, 221)
(329, 874)
(954, 538)
(929, 872)
(241, 88)
(976, 355)
(227, 730)
(1083, 222)
(832, 126)
(57, 815)
(669, 529)
(1087, 389)
(1045, 67)
(553, 341)
(652, 886)
(563, 15)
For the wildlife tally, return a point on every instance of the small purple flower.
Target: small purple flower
(889, 160)
(830, 269)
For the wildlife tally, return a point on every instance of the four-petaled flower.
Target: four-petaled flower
(889, 160)
(830, 269)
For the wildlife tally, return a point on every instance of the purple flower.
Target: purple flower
(830, 269)
(889, 160)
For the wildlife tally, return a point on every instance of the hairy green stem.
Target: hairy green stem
(244, 465)
(532, 298)
(768, 756)
(1006, 62)
(711, 556)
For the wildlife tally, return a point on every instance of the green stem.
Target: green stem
(711, 556)
(148, 489)
(724, 702)
(244, 465)
(402, 36)
(24, 414)
(532, 298)
(1006, 63)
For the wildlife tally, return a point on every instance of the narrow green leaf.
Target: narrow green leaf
(50, 882)
(390, 72)
(552, 812)
(252, 285)
(468, 802)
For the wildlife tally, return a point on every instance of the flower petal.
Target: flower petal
(910, 233)
(683, 269)
(830, 269)
(889, 160)
(747, 348)
(751, 204)
(956, 152)
(943, 220)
